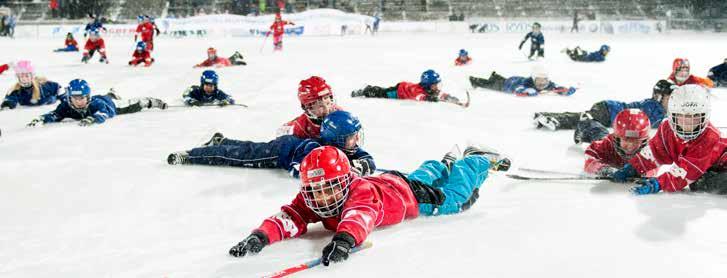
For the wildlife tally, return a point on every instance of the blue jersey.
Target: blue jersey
(196, 93)
(525, 86)
(719, 73)
(100, 108)
(48, 90)
(95, 25)
(535, 39)
(594, 57)
(653, 109)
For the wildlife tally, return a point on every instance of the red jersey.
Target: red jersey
(278, 27)
(462, 62)
(690, 159)
(72, 42)
(98, 44)
(601, 154)
(141, 57)
(303, 127)
(146, 29)
(414, 91)
(219, 61)
(706, 82)
(4, 67)
(372, 202)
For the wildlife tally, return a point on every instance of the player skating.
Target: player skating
(579, 55)
(339, 129)
(426, 90)
(353, 206)
(30, 90)
(317, 101)
(141, 55)
(538, 83)
(71, 45)
(278, 30)
(216, 61)
(207, 92)
(536, 42)
(93, 44)
(463, 58)
(687, 143)
(80, 105)
(718, 74)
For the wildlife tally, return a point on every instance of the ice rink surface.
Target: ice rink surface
(101, 201)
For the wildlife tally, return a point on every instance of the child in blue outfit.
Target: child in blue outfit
(718, 74)
(579, 55)
(30, 90)
(537, 83)
(536, 42)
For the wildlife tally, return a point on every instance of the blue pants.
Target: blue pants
(69, 48)
(274, 154)
(466, 175)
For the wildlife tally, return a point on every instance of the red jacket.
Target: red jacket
(98, 44)
(303, 127)
(372, 202)
(414, 91)
(146, 29)
(4, 67)
(278, 27)
(224, 62)
(602, 153)
(460, 62)
(143, 57)
(706, 82)
(71, 42)
(691, 159)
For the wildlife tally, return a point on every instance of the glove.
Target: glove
(223, 103)
(87, 121)
(254, 243)
(194, 102)
(622, 175)
(647, 186)
(361, 167)
(570, 91)
(35, 122)
(521, 45)
(606, 171)
(664, 87)
(501, 165)
(338, 249)
(6, 104)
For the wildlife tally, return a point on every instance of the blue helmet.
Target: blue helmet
(463, 53)
(140, 18)
(429, 78)
(605, 48)
(140, 46)
(78, 87)
(337, 127)
(209, 77)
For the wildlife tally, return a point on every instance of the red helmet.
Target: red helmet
(211, 51)
(325, 174)
(312, 89)
(679, 63)
(632, 125)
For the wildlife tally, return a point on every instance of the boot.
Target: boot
(497, 161)
(450, 157)
(85, 59)
(178, 158)
(543, 121)
(153, 103)
(216, 140)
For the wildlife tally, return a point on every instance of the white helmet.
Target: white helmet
(689, 109)
(540, 77)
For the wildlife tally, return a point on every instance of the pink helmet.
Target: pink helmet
(25, 72)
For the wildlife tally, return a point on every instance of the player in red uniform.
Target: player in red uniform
(278, 29)
(146, 29)
(4, 67)
(680, 74)
(217, 61)
(316, 100)
(353, 206)
(141, 55)
(93, 44)
(426, 90)
(463, 58)
(630, 133)
(686, 141)
(70, 43)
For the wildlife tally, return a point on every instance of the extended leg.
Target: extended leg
(376, 92)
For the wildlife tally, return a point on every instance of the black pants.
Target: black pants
(494, 82)
(576, 54)
(713, 181)
(376, 92)
(536, 48)
(569, 120)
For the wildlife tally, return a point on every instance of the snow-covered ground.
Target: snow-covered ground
(101, 201)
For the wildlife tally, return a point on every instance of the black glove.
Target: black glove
(222, 103)
(521, 45)
(253, 244)
(87, 121)
(664, 87)
(6, 104)
(338, 249)
(194, 102)
(34, 122)
(361, 167)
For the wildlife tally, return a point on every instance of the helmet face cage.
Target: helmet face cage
(541, 82)
(688, 126)
(638, 144)
(77, 94)
(326, 197)
(340, 141)
(326, 101)
(689, 110)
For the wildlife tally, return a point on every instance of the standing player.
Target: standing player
(426, 90)
(278, 29)
(680, 74)
(686, 142)
(30, 90)
(536, 42)
(316, 100)
(630, 134)
(96, 25)
(207, 91)
(146, 29)
(217, 61)
(463, 58)
(538, 83)
(718, 74)
(71, 44)
(353, 206)
(80, 105)
(579, 55)
(141, 55)
(93, 44)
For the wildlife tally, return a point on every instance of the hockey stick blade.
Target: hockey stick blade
(206, 105)
(312, 263)
(550, 172)
(580, 178)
